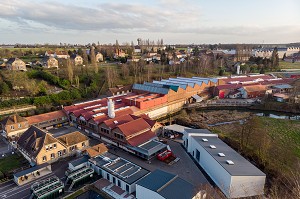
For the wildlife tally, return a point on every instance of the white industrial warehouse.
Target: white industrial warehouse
(234, 175)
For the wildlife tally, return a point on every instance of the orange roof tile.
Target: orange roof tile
(142, 138)
(45, 117)
(96, 150)
(134, 126)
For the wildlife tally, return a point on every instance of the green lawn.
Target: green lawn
(10, 163)
(289, 65)
(285, 131)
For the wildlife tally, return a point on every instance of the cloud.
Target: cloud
(105, 16)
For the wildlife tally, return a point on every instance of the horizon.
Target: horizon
(176, 22)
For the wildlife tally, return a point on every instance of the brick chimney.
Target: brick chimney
(15, 118)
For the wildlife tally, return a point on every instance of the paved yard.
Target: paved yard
(184, 168)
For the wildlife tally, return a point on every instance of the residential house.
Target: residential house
(119, 90)
(50, 53)
(16, 64)
(48, 120)
(163, 185)
(38, 146)
(137, 49)
(62, 55)
(99, 57)
(49, 62)
(13, 126)
(282, 88)
(119, 53)
(77, 59)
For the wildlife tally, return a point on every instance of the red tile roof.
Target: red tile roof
(45, 117)
(114, 122)
(134, 126)
(255, 88)
(142, 138)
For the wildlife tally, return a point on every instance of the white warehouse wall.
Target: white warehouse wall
(144, 193)
(216, 172)
(251, 186)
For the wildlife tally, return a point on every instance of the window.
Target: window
(52, 155)
(197, 155)
(119, 183)
(107, 176)
(50, 147)
(54, 146)
(114, 180)
(83, 144)
(44, 158)
(12, 127)
(72, 148)
(47, 148)
(127, 188)
(64, 151)
(19, 125)
(59, 153)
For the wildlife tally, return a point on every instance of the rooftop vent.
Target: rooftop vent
(115, 122)
(229, 162)
(212, 146)
(204, 140)
(221, 154)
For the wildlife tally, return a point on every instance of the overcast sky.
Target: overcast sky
(176, 21)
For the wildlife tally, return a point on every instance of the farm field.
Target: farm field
(289, 65)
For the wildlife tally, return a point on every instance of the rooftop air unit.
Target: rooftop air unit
(221, 154)
(204, 140)
(212, 146)
(229, 162)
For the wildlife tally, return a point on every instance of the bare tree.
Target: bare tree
(70, 70)
(93, 59)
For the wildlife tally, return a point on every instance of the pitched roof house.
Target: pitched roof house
(77, 59)
(13, 126)
(39, 146)
(16, 64)
(49, 62)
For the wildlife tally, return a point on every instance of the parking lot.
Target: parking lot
(184, 168)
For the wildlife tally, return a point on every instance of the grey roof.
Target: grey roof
(241, 167)
(119, 167)
(176, 128)
(151, 147)
(80, 160)
(152, 89)
(168, 185)
(30, 170)
(204, 131)
(283, 86)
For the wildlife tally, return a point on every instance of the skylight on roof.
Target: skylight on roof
(221, 154)
(212, 146)
(116, 122)
(204, 140)
(230, 162)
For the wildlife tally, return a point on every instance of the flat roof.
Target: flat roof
(241, 167)
(168, 185)
(30, 170)
(119, 167)
(177, 128)
(80, 160)
(150, 147)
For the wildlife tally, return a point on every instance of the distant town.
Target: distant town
(149, 120)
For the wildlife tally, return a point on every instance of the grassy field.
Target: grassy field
(10, 163)
(289, 65)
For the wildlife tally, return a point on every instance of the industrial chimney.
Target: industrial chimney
(111, 108)
(238, 68)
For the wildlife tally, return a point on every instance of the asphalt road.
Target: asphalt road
(10, 190)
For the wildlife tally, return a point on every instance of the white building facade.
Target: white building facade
(234, 175)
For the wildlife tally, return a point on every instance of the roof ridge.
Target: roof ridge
(167, 184)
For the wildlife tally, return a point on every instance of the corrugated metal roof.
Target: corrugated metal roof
(283, 86)
(164, 81)
(151, 89)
